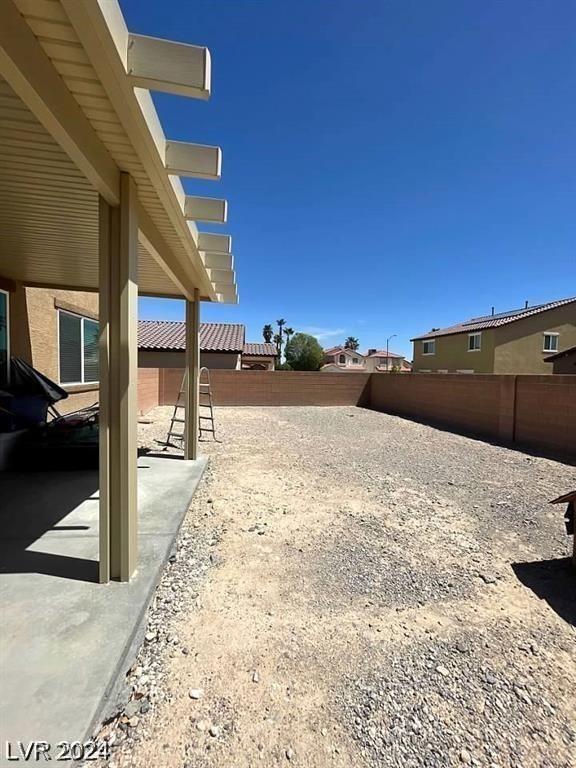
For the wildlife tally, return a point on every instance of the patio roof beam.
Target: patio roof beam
(222, 276)
(163, 65)
(181, 158)
(206, 209)
(217, 260)
(228, 293)
(32, 76)
(216, 243)
(157, 247)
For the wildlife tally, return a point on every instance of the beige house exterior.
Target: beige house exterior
(516, 342)
(373, 361)
(34, 316)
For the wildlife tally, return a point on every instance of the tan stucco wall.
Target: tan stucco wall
(166, 359)
(452, 354)
(34, 333)
(519, 346)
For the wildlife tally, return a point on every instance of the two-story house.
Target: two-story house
(372, 361)
(518, 341)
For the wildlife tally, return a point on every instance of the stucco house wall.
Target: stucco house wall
(33, 316)
(165, 358)
(520, 345)
(452, 355)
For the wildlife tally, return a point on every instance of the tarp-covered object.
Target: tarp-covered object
(25, 380)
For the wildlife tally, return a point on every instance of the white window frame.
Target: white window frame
(83, 318)
(551, 334)
(429, 341)
(340, 361)
(7, 294)
(475, 336)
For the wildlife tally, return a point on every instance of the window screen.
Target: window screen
(70, 334)
(90, 350)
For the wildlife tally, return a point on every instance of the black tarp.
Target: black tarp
(26, 381)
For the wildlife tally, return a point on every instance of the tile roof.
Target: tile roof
(168, 334)
(494, 321)
(342, 350)
(383, 353)
(266, 349)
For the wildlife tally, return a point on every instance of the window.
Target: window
(550, 342)
(424, 370)
(429, 347)
(474, 342)
(78, 348)
(342, 359)
(354, 361)
(465, 370)
(4, 338)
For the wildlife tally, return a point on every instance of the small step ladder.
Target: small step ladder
(179, 412)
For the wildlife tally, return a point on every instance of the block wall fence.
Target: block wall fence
(535, 412)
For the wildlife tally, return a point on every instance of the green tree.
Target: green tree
(351, 343)
(304, 353)
(267, 333)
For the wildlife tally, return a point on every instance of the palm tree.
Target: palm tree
(351, 343)
(278, 341)
(288, 332)
(267, 333)
(280, 323)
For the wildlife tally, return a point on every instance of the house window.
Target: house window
(550, 342)
(429, 347)
(342, 359)
(4, 338)
(355, 361)
(474, 342)
(78, 348)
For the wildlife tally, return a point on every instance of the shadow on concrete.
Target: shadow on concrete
(32, 505)
(553, 581)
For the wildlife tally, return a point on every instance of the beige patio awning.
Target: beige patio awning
(75, 112)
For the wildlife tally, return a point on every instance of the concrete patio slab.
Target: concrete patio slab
(64, 638)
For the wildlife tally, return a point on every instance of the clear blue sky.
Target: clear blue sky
(391, 165)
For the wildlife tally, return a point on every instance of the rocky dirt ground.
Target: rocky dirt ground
(353, 589)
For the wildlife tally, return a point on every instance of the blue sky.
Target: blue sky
(390, 165)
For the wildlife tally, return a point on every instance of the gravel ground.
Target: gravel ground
(353, 589)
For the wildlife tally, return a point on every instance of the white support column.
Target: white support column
(118, 384)
(192, 376)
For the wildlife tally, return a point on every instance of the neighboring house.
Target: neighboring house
(259, 357)
(373, 361)
(563, 362)
(161, 344)
(344, 359)
(517, 341)
(55, 331)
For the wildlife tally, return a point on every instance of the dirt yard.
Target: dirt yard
(352, 589)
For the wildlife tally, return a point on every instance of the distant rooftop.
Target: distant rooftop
(265, 349)
(171, 335)
(494, 321)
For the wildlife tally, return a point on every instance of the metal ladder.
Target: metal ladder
(179, 412)
(205, 391)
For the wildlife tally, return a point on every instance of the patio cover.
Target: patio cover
(91, 199)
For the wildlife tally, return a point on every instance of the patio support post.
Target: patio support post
(118, 265)
(192, 376)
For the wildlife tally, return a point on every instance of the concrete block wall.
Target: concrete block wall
(535, 412)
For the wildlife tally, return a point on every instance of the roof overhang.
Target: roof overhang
(71, 121)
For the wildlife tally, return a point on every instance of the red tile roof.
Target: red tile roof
(167, 334)
(494, 321)
(266, 349)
